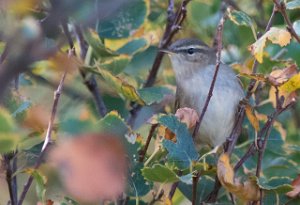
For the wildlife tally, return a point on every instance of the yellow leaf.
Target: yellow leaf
(276, 35)
(252, 117)
(291, 85)
(257, 49)
(22, 7)
(279, 36)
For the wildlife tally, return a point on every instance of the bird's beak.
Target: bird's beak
(167, 51)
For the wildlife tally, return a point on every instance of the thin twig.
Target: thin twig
(145, 148)
(7, 158)
(280, 6)
(90, 82)
(232, 139)
(196, 177)
(47, 141)
(218, 62)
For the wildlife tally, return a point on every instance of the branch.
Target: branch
(232, 139)
(8, 159)
(145, 148)
(90, 83)
(218, 62)
(47, 141)
(196, 177)
(280, 6)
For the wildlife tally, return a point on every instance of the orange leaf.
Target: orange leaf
(252, 117)
(296, 185)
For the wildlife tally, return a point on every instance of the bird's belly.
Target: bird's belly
(219, 117)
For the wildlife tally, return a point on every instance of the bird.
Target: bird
(194, 64)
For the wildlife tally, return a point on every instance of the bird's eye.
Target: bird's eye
(191, 51)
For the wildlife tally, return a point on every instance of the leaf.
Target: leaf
(159, 173)
(252, 117)
(22, 7)
(255, 76)
(152, 95)
(40, 181)
(293, 4)
(291, 85)
(99, 49)
(276, 35)
(296, 188)
(8, 142)
(123, 88)
(7, 123)
(279, 76)
(296, 26)
(93, 167)
(278, 184)
(183, 152)
(110, 122)
(115, 65)
(246, 191)
(241, 19)
(126, 21)
(188, 116)
(133, 46)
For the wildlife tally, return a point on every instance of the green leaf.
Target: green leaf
(76, 126)
(152, 95)
(129, 18)
(123, 88)
(113, 123)
(7, 123)
(278, 184)
(242, 19)
(8, 142)
(115, 65)
(183, 152)
(98, 48)
(159, 173)
(293, 4)
(133, 46)
(138, 186)
(40, 181)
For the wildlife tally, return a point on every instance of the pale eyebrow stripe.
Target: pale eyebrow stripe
(197, 48)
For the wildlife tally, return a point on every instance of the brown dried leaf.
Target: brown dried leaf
(92, 167)
(188, 116)
(279, 76)
(252, 117)
(296, 185)
(63, 61)
(247, 191)
(37, 118)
